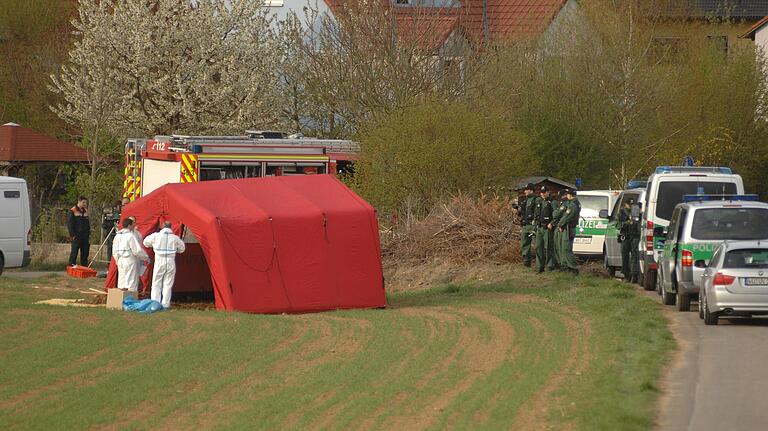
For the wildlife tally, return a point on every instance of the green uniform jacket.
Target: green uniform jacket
(558, 208)
(570, 218)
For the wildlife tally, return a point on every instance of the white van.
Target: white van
(15, 223)
(666, 188)
(590, 233)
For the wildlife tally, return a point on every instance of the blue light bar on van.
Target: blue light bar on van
(714, 169)
(704, 198)
(637, 184)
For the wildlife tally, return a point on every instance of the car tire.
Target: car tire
(649, 280)
(2, 264)
(709, 318)
(666, 297)
(701, 306)
(683, 301)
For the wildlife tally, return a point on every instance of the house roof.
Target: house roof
(522, 182)
(427, 32)
(510, 19)
(430, 27)
(20, 144)
(752, 30)
(740, 9)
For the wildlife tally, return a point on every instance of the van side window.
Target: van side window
(681, 223)
(673, 225)
(11, 194)
(616, 207)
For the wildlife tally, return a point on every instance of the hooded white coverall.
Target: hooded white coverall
(127, 252)
(166, 245)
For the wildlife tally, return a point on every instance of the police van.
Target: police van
(697, 227)
(666, 188)
(590, 233)
(15, 223)
(612, 248)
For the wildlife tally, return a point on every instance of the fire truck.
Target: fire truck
(151, 163)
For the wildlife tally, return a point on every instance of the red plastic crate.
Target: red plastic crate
(78, 271)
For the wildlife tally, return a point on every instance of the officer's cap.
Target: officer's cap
(571, 192)
(631, 201)
(543, 189)
(529, 187)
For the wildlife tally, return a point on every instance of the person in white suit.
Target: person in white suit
(166, 245)
(128, 253)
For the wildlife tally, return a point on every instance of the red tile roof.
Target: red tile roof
(429, 27)
(752, 30)
(425, 31)
(19, 144)
(510, 19)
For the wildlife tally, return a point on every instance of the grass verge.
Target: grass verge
(530, 353)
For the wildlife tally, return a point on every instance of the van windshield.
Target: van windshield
(671, 193)
(730, 223)
(591, 205)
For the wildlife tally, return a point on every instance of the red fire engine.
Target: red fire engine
(151, 163)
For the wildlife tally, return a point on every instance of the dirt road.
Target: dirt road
(719, 377)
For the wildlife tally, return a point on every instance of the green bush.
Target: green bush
(414, 157)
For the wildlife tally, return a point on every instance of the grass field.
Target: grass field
(536, 352)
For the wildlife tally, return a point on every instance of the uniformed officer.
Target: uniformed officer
(558, 208)
(629, 235)
(526, 221)
(544, 239)
(567, 227)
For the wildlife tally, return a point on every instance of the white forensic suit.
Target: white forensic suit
(127, 252)
(166, 245)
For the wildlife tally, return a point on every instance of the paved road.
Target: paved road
(720, 375)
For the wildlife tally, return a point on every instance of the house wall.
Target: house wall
(281, 8)
(761, 39)
(567, 12)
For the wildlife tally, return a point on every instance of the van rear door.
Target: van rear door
(13, 236)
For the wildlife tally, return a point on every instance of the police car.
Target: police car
(697, 228)
(666, 188)
(590, 233)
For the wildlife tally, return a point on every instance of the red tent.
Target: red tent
(277, 244)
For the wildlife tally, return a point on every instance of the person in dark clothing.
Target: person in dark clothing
(528, 229)
(545, 245)
(79, 231)
(110, 225)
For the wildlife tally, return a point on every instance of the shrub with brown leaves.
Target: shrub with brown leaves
(464, 229)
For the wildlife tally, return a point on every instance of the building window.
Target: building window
(273, 3)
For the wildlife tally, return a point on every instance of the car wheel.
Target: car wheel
(701, 306)
(666, 297)
(683, 301)
(649, 280)
(709, 318)
(2, 264)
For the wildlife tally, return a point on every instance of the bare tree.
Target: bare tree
(371, 58)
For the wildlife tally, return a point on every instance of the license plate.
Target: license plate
(754, 281)
(582, 240)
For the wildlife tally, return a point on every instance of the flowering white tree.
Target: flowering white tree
(169, 66)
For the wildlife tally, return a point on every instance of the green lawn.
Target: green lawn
(533, 352)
